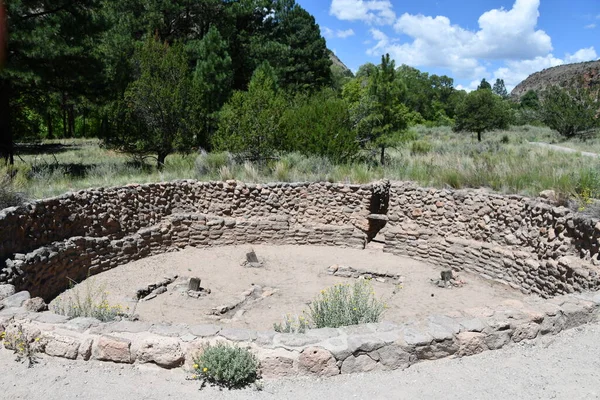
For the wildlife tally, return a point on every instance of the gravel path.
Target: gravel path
(561, 367)
(564, 149)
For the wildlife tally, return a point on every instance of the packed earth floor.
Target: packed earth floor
(289, 278)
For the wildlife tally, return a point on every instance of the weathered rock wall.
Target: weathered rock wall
(517, 241)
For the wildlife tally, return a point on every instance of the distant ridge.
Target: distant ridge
(585, 74)
(337, 63)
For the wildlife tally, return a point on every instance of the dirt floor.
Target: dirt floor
(290, 278)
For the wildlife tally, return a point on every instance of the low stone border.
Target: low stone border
(319, 352)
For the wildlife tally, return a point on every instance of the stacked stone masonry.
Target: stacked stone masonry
(529, 244)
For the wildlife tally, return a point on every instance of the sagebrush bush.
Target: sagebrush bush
(420, 147)
(344, 305)
(226, 365)
(297, 324)
(88, 300)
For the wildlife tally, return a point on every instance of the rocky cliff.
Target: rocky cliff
(585, 74)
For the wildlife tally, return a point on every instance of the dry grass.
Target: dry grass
(504, 162)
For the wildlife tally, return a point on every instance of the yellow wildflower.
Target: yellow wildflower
(196, 366)
(204, 369)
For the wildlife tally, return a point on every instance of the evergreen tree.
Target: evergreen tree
(158, 103)
(213, 79)
(482, 111)
(499, 89)
(570, 112)
(250, 122)
(385, 121)
(530, 100)
(303, 62)
(484, 85)
(50, 50)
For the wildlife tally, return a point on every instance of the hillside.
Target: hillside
(563, 75)
(337, 63)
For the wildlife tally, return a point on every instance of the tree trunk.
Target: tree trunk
(50, 126)
(382, 158)
(479, 136)
(161, 160)
(71, 116)
(6, 135)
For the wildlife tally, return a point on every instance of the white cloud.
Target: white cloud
(582, 55)
(590, 26)
(371, 11)
(330, 33)
(345, 34)
(516, 71)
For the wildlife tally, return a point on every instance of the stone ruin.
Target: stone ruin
(528, 244)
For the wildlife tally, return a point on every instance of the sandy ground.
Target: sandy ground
(294, 275)
(566, 366)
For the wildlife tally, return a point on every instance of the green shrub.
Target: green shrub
(211, 163)
(343, 305)
(91, 302)
(226, 365)
(420, 147)
(291, 325)
(25, 348)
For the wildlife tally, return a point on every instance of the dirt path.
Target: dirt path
(564, 149)
(561, 367)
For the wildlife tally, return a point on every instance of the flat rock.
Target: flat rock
(127, 326)
(294, 340)
(238, 335)
(57, 345)
(50, 318)
(170, 330)
(81, 324)
(204, 330)
(16, 300)
(413, 336)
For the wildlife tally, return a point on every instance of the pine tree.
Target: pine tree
(250, 122)
(484, 85)
(213, 78)
(158, 103)
(500, 89)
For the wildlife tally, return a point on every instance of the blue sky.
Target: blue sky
(465, 39)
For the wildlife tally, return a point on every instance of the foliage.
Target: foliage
(212, 81)
(499, 89)
(250, 122)
(90, 301)
(291, 325)
(379, 114)
(344, 305)
(484, 85)
(320, 125)
(24, 347)
(226, 365)
(159, 102)
(571, 113)
(482, 111)
(530, 100)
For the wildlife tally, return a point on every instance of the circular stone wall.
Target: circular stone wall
(527, 244)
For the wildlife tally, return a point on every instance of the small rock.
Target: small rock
(149, 297)
(380, 280)
(36, 304)
(159, 290)
(6, 291)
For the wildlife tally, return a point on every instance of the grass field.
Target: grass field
(503, 162)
